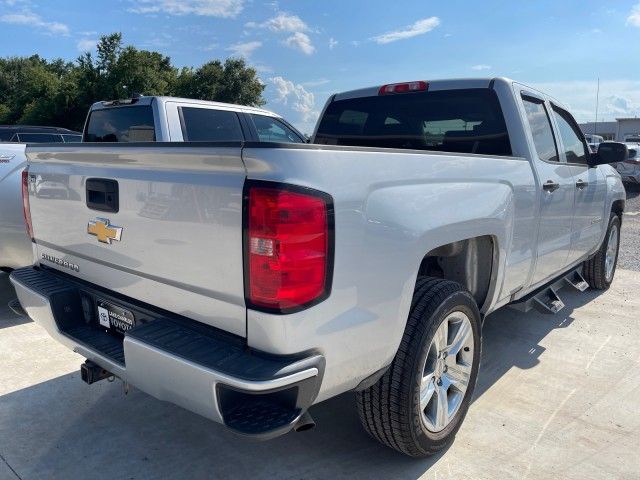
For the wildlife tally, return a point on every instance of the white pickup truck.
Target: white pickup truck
(276, 276)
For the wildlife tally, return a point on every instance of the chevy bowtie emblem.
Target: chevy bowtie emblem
(102, 228)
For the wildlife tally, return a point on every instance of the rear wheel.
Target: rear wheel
(600, 269)
(420, 402)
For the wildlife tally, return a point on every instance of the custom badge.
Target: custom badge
(104, 231)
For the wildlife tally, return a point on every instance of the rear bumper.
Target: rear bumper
(175, 359)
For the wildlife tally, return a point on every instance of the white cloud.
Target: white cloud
(244, 49)
(619, 105)
(420, 27)
(284, 22)
(291, 24)
(207, 8)
(333, 43)
(300, 41)
(35, 21)
(634, 16)
(481, 67)
(303, 101)
(86, 44)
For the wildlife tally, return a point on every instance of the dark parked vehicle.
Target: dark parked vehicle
(34, 134)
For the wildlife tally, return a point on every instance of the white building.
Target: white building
(618, 130)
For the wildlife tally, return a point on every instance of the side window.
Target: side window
(271, 129)
(574, 147)
(209, 125)
(541, 129)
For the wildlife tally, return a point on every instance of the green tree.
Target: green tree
(34, 90)
(231, 82)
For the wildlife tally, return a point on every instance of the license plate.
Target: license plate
(114, 317)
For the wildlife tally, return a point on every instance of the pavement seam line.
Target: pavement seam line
(10, 467)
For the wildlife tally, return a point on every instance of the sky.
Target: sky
(306, 50)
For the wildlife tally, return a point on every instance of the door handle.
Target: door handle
(102, 194)
(580, 184)
(550, 186)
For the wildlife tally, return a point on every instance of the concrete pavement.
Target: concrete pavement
(558, 398)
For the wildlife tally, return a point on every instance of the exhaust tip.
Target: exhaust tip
(304, 423)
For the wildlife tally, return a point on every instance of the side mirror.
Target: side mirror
(609, 152)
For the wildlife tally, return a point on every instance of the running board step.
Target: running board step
(577, 281)
(547, 299)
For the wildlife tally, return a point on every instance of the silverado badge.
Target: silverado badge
(102, 228)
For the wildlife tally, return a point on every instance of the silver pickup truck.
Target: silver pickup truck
(275, 276)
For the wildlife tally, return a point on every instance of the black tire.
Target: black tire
(390, 409)
(594, 269)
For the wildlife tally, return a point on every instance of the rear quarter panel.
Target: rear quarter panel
(391, 208)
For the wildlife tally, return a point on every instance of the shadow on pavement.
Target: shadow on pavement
(512, 338)
(64, 429)
(8, 318)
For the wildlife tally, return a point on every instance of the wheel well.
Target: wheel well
(468, 262)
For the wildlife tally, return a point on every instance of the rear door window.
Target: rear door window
(270, 129)
(575, 149)
(210, 125)
(462, 121)
(541, 130)
(121, 124)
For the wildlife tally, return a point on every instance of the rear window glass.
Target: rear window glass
(121, 124)
(39, 138)
(5, 136)
(209, 125)
(461, 121)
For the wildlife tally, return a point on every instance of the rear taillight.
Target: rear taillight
(25, 203)
(288, 247)
(405, 87)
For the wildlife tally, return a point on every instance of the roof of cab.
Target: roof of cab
(148, 100)
(37, 129)
(448, 84)
(434, 85)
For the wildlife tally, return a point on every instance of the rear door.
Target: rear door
(557, 191)
(589, 185)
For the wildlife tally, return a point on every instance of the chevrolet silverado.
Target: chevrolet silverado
(275, 276)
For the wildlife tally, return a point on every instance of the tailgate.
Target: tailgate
(175, 241)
